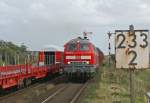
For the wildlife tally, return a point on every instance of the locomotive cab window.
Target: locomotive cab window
(71, 47)
(84, 47)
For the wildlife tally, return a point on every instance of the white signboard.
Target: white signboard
(132, 49)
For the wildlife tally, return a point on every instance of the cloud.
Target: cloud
(40, 22)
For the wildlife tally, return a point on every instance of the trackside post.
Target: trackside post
(132, 52)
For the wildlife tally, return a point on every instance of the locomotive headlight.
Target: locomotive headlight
(69, 62)
(85, 57)
(87, 62)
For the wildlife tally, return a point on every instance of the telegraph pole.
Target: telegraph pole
(109, 46)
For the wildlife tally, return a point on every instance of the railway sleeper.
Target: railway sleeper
(82, 77)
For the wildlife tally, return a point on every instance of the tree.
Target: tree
(23, 48)
(10, 51)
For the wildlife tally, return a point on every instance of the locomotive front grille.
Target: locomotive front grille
(83, 66)
(79, 63)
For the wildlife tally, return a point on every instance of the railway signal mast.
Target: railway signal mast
(109, 45)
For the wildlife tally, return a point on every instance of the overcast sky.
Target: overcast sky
(41, 22)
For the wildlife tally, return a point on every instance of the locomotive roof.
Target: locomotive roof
(79, 39)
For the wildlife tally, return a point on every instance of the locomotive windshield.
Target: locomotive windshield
(71, 47)
(84, 47)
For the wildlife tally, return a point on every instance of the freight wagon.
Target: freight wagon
(49, 63)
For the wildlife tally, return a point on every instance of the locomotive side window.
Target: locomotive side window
(49, 58)
(84, 47)
(71, 47)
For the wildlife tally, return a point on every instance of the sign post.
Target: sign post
(132, 52)
(131, 70)
(132, 93)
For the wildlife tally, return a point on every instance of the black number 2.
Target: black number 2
(121, 43)
(132, 62)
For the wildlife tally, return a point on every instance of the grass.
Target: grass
(113, 85)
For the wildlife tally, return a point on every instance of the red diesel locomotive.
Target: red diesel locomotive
(81, 58)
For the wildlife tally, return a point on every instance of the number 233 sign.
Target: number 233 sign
(132, 49)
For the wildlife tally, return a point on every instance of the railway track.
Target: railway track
(61, 92)
(79, 93)
(2, 97)
(67, 93)
(35, 86)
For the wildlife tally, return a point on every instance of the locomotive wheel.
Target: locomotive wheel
(90, 76)
(70, 77)
(2, 91)
(66, 77)
(20, 84)
(83, 77)
(27, 82)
